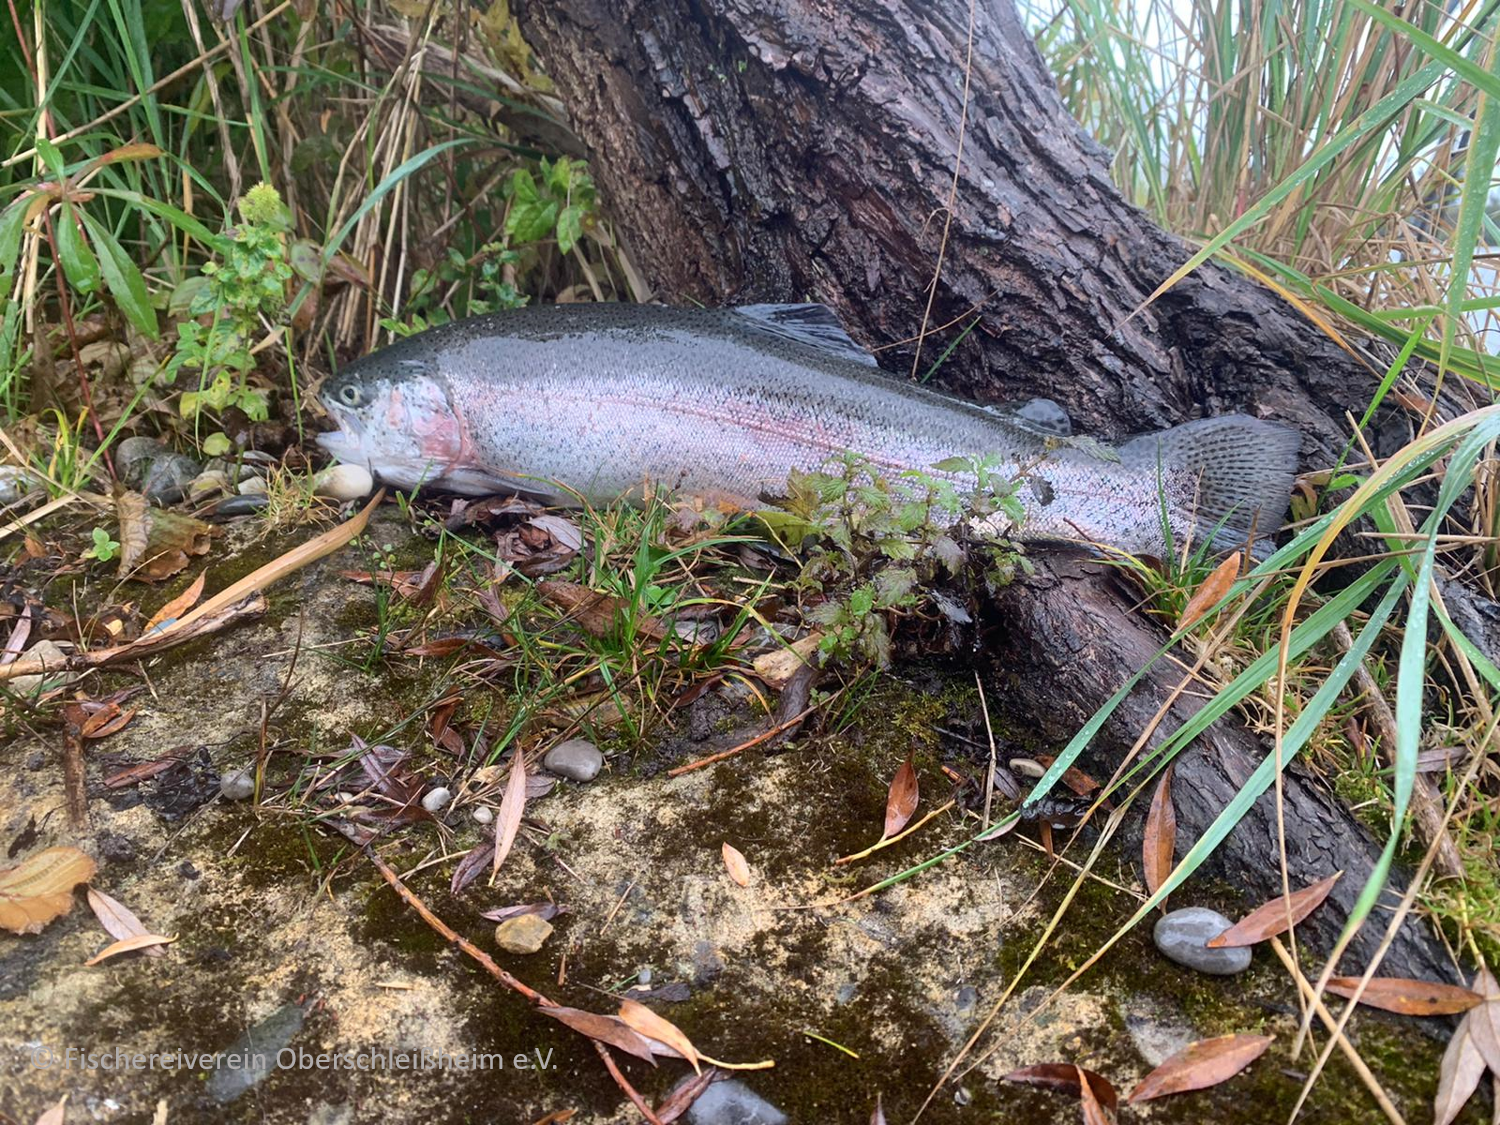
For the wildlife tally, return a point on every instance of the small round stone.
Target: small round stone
(252, 486)
(644, 976)
(577, 759)
(237, 785)
(168, 477)
(1183, 936)
(962, 1096)
(522, 934)
(483, 814)
(1027, 767)
(343, 482)
(436, 799)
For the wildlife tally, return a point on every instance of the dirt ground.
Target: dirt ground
(287, 935)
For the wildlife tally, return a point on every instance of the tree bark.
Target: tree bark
(773, 150)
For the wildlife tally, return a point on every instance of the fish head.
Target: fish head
(394, 418)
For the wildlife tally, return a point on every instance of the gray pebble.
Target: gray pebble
(644, 976)
(436, 799)
(238, 785)
(962, 1096)
(133, 456)
(483, 814)
(578, 759)
(168, 478)
(1182, 935)
(733, 1103)
(245, 505)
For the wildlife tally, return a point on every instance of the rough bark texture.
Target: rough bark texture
(757, 150)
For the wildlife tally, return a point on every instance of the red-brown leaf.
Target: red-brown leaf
(1271, 918)
(901, 802)
(1201, 1065)
(1208, 595)
(177, 606)
(1066, 1078)
(607, 1029)
(1408, 997)
(1161, 834)
(106, 721)
(686, 1092)
(649, 1024)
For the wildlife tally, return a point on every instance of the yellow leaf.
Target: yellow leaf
(40, 888)
(642, 1019)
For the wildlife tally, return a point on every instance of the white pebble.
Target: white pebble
(484, 814)
(238, 785)
(255, 486)
(436, 799)
(343, 482)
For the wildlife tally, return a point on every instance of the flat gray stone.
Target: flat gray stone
(731, 1102)
(1157, 1029)
(1182, 935)
(237, 785)
(577, 759)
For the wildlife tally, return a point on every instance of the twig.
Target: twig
(487, 963)
(756, 741)
(989, 781)
(887, 841)
(1306, 988)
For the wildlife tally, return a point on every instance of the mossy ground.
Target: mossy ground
(271, 909)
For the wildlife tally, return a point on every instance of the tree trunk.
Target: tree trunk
(772, 150)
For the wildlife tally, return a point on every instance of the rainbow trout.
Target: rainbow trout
(602, 400)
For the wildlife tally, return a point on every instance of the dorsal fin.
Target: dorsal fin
(817, 326)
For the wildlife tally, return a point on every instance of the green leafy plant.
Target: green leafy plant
(247, 284)
(880, 543)
(103, 547)
(479, 285)
(560, 205)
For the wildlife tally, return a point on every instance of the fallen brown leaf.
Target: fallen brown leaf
(1458, 1074)
(735, 863)
(1407, 997)
(130, 945)
(1200, 1065)
(118, 920)
(1208, 595)
(1067, 1078)
(40, 888)
(156, 543)
(778, 666)
(106, 721)
(681, 1097)
(56, 1115)
(593, 612)
(642, 1019)
(1484, 1021)
(606, 1029)
(902, 799)
(177, 606)
(1160, 838)
(512, 806)
(1275, 917)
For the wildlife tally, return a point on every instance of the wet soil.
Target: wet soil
(286, 932)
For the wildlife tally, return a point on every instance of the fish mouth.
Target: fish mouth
(346, 443)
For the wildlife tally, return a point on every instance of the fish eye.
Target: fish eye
(349, 394)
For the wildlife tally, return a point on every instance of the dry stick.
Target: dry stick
(756, 741)
(1316, 1003)
(159, 84)
(487, 963)
(887, 841)
(989, 781)
(958, 163)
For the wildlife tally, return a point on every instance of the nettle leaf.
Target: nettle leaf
(862, 601)
(125, 282)
(894, 585)
(524, 187)
(78, 262)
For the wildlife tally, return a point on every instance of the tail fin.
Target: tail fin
(1221, 476)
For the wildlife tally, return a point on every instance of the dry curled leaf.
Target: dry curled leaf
(130, 945)
(735, 863)
(1208, 595)
(1407, 997)
(118, 920)
(1161, 834)
(177, 606)
(40, 888)
(648, 1023)
(156, 543)
(1200, 1065)
(902, 799)
(1275, 917)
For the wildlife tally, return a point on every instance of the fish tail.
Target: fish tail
(1221, 477)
